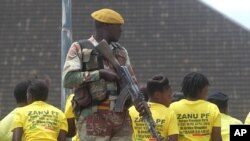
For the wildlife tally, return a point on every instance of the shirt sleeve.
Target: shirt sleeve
(68, 107)
(72, 74)
(18, 120)
(64, 124)
(127, 57)
(76, 78)
(173, 125)
(247, 120)
(217, 118)
(128, 64)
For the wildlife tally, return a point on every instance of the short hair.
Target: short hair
(193, 83)
(220, 99)
(157, 83)
(39, 90)
(20, 91)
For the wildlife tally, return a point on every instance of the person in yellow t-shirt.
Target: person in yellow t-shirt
(39, 120)
(247, 120)
(20, 91)
(72, 132)
(221, 100)
(159, 92)
(198, 120)
(177, 96)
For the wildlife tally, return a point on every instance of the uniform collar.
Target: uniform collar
(93, 41)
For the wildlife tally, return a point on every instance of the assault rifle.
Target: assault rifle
(129, 88)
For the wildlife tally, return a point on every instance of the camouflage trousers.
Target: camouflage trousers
(104, 125)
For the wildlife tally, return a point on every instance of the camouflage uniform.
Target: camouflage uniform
(97, 121)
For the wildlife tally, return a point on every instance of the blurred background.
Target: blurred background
(172, 37)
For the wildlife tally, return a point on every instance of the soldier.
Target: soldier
(95, 82)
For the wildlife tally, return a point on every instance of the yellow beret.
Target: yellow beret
(107, 16)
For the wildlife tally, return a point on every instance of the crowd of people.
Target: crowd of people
(89, 115)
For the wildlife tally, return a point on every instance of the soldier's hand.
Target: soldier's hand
(108, 75)
(142, 107)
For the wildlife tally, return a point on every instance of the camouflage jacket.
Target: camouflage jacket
(73, 76)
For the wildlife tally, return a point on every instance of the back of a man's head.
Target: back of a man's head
(220, 99)
(20, 91)
(38, 90)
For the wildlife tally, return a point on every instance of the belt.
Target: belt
(105, 105)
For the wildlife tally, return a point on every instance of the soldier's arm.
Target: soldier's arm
(72, 74)
(76, 78)
(128, 64)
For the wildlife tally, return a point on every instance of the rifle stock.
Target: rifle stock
(105, 50)
(129, 88)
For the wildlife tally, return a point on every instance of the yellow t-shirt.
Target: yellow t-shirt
(247, 120)
(69, 114)
(40, 121)
(165, 119)
(68, 107)
(226, 121)
(5, 128)
(196, 119)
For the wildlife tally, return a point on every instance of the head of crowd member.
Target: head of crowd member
(20, 92)
(108, 25)
(195, 86)
(177, 96)
(159, 90)
(37, 91)
(220, 99)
